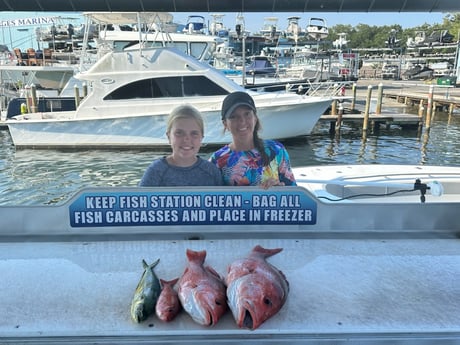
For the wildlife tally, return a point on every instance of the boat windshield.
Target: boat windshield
(167, 87)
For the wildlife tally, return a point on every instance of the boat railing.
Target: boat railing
(320, 89)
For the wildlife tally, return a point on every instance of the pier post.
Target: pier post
(378, 109)
(338, 122)
(429, 108)
(367, 107)
(33, 92)
(353, 100)
(77, 96)
(334, 107)
(420, 109)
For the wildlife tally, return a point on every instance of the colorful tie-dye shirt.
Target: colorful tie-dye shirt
(245, 168)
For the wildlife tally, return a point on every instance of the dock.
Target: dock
(392, 94)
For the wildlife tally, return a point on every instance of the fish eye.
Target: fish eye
(267, 301)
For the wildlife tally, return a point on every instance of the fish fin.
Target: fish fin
(285, 279)
(213, 272)
(266, 252)
(196, 256)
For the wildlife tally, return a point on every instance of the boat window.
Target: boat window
(182, 46)
(168, 87)
(197, 49)
(119, 46)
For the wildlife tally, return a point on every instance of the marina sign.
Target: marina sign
(170, 207)
(33, 21)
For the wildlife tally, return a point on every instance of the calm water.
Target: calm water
(44, 177)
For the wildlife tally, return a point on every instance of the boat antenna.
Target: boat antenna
(240, 32)
(138, 15)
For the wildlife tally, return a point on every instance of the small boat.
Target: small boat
(261, 65)
(390, 71)
(418, 72)
(317, 29)
(195, 25)
(341, 42)
(270, 30)
(133, 92)
(293, 31)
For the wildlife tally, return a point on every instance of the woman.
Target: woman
(183, 167)
(248, 160)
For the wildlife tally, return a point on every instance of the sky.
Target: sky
(254, 21)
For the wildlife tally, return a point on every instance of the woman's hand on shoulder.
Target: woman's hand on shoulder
(270, 182)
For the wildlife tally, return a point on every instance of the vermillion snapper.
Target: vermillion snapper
(168, 304)
(146, 294)
(256, 290)
(201, 290)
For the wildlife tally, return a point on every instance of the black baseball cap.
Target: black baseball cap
(234, 100)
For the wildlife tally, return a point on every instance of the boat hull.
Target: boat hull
(148, 130)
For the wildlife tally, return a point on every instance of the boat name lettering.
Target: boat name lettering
(166, 208)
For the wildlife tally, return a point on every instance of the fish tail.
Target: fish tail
(266, 252)
(196, 256)
(168, 282)
(145, 264)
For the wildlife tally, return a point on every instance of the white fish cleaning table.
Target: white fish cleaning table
(376, 287)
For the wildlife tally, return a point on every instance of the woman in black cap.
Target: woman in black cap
(249, 160)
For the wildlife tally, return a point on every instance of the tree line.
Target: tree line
(367, 36)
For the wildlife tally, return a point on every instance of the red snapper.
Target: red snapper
(201, 290)
(168, 304)
(256, 290)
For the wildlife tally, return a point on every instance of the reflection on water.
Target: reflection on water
(44, 177)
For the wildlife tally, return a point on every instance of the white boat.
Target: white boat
(132, 92)
(270, 30)
(54, 77)
(382, 270)
(293, 31)
(120, 30)
(317, 29)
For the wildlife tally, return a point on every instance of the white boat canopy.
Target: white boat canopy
(129, 17)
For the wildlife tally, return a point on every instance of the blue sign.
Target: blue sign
(171, 207)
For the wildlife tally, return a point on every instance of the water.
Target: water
(49, 177)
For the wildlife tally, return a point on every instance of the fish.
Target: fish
(168, 304)
(146, 295)
(201, 290)
(256, 290)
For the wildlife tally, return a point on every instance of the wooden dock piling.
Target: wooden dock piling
(334, 107)
(378, 109)
(353, 100)
(429, 108)
(367, 108)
